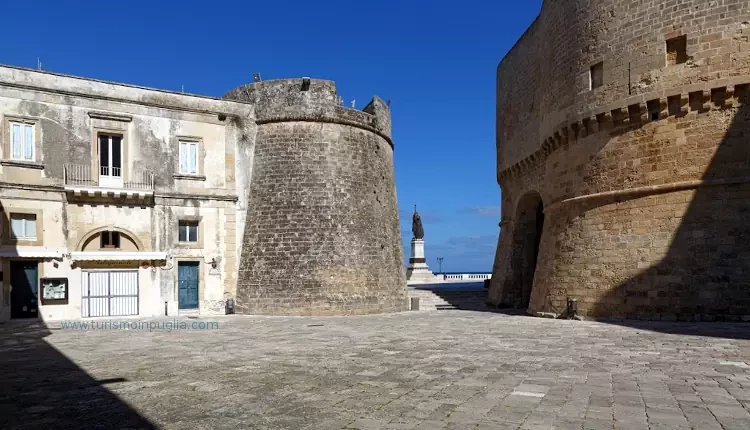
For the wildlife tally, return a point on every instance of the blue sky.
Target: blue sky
(434, 59)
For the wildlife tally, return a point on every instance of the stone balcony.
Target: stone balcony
(111, 182)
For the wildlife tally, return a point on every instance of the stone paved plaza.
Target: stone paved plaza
(452, 369)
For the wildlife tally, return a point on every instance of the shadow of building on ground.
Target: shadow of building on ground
(705, 273)
(40, 388)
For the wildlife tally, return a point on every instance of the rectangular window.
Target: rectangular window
(21, 141)
(189, 158)
(597, 75)
(110, 239)
(110, 155)
(677, 51)
(188, 231)
(23, 226)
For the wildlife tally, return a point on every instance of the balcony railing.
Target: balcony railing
(110, 177)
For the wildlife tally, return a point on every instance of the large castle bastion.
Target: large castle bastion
(322, 232)
(623, 156)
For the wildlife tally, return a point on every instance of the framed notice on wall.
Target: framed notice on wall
(54, 290)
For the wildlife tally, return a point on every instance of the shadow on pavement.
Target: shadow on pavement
(40, 388)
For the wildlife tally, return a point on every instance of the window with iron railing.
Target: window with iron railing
(110, 155)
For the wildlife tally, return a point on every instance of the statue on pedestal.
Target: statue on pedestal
(416, 225)
(417, 272)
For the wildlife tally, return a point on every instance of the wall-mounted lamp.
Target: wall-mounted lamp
(213, 263)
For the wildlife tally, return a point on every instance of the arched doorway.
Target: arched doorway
(527, 235)
(110, 281)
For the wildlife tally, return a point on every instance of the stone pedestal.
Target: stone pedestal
(417, 271)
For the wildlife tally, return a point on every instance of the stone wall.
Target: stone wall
(322, 233)
(644, 180)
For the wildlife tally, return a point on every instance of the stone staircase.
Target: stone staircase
(439, 299)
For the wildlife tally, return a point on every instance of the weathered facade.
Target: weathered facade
(119, 200)
(623, 159)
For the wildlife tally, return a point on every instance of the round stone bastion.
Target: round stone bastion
(322, 233)
(623, 156)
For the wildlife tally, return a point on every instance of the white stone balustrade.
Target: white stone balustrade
(449, 278)
(465, 277)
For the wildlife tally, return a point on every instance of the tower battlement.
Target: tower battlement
(311, 100)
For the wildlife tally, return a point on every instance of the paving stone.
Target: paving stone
(597, 424)
(562, 423)
(387, 371)
(497, 425)
(428, 425)
(732, 412)
(509, 414)
(627, 425)
(367, 424)
(401, 425)
(729, 424)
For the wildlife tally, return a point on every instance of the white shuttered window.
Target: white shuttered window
(23, 226)
(189, 158)
(21, 141)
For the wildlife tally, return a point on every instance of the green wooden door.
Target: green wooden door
(187, 281)
(24, 294)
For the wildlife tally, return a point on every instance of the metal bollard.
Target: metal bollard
(572, 307)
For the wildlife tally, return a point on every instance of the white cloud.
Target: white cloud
(484, 211)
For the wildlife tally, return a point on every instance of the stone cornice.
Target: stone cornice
(61, 189)
(633, 193)
(86, 88)
(635, 110)
(326, 119)
(110, 116)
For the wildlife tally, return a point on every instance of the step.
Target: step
(449, 299)
(189, 312)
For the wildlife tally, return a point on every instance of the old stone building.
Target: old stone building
(623, 133)
(118, 200)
